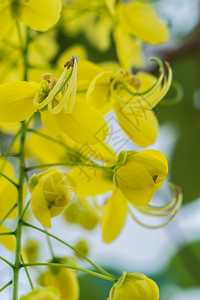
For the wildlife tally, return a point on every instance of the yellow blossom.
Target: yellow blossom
(39, 15)
(64, 280)
(129, 23)
(56, 99)
(132, 97)
(50, 194)
(134, 286)
(139, 174)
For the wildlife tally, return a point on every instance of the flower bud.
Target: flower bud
(65, 281)
(83, 247)
(49, 293)
(32, 250)
(134, 286)
(51, 192)
(139, 174)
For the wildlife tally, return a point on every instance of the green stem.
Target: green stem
(9, 179)
(27, 274)
(7, 262)
(69, 149)
(9, 155)
(49, 138)
(70, 164)
(25, 209)
(19, 214)
(7, 233)
(71, 247)
(50, 244)
(73, 268)
(8, 213)
(6, 285)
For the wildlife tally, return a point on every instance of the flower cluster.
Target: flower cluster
(61, 114)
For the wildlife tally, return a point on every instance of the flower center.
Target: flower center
(56, 95)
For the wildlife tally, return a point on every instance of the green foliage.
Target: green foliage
(185, 168)
(183, 268)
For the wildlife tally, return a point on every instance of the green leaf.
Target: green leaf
(183, 268)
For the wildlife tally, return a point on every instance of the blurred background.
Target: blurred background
(170, 255)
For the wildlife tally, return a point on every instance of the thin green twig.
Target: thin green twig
(71, 247)
(73, 268)
(9, 179)
(5, 286)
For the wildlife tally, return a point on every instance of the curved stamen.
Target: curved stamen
(174, 206)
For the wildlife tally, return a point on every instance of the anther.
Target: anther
(47, 76)
(53, 83)
(70, 63)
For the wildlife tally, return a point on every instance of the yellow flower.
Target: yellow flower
(139, 174)
(64, 280)
(130, 23)
(136, 176)
(133, 98)
(50, 194)
(134, 286)
(49, 293)
(82, 212)
(56, 99)
(39, 15)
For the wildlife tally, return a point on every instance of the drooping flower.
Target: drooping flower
(60, 109)
(136, 177)
(139, 174)
(129, 23)
(134, 286)
(51, 192)
(39, 15)
(132, 98)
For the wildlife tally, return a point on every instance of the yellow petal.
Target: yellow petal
(84, 124)
(65, 281)
(85, 74)
(140, 125)
(7, 190)
(98, 91)
(142, 22)
(135, 183)
(156, 164)
(6, 18)
(41, 15)
(39, 206)
(16, 101)
(114, 216)
(111, 6)
(91, 181)
(99, 30)
(7, 240)
(9, 128)
(49, 293)
(48, 152)
(129, 50)
(78, 50)
(50, 194)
